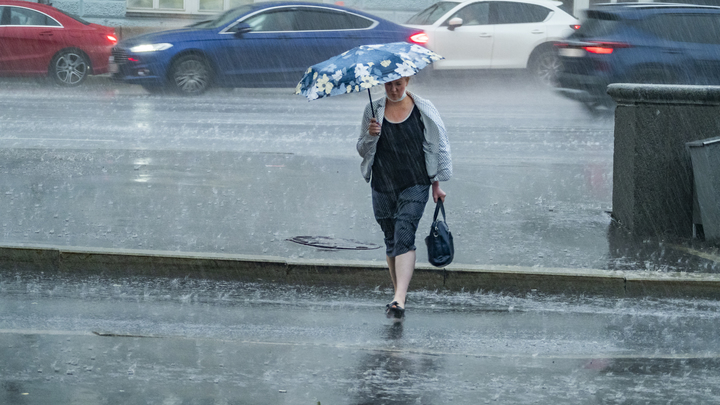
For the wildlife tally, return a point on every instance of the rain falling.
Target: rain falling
(184, 218)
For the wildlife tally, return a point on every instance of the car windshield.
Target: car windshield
(226, 17)
(432, 13)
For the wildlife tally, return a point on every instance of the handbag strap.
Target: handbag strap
(439, 207)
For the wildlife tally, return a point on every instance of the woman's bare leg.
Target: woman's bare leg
(404, 268)
(391, 266)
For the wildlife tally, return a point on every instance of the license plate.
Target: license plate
(113, 67)
(571, 52)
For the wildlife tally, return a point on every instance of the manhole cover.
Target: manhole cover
(325, 242)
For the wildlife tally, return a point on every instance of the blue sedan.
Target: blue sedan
(257, 45)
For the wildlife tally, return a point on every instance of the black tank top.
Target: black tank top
(399, 159)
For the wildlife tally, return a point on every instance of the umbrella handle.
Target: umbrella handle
(371, 107)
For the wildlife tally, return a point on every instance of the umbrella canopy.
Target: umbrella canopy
(364, 67)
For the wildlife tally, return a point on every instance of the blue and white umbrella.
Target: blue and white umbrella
(364, 67)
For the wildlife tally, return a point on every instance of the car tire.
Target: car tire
(545, 66)
(191, 75)
(69, 68)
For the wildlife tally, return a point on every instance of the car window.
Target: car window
(473, 14)
(536, 13)
(25, 16)
(4, 15)
(432, 13)
(317, 19)
(597, 24)
(517, 13)
(274, 20)
(690, 28)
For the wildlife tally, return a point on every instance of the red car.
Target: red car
(38, 40)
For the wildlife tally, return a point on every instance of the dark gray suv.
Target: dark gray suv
(639, 43)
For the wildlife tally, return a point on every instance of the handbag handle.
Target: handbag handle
(439, 207)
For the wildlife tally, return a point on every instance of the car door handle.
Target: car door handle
(538, 31)
(46, 34)
(485, 35)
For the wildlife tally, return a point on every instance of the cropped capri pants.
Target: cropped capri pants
(398, 214)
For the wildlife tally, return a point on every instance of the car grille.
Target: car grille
(119, 55)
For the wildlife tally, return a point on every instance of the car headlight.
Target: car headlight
(150, 47)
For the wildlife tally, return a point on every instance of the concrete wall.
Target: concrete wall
(114, 11)
(96, 8)
(397, 11)
(652, 173)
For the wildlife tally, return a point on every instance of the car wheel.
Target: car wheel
(545, 68)
(191, 75)
(69, 68)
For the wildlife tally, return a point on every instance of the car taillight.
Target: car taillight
(575, 27)
(605, 48)
(112, 39)
(133, 60)
(420, 38)
(601, 50)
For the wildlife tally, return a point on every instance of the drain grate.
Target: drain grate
(326, 242)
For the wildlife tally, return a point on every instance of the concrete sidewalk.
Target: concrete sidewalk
(508, 279)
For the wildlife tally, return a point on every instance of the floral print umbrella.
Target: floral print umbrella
(364, 67)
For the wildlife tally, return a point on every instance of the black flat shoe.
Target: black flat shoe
(393, 310)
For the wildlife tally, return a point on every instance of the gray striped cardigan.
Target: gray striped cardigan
(436, 145)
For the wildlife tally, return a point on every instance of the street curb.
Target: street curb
(456, 277)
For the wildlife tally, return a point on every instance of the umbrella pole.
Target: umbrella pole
(371, 107)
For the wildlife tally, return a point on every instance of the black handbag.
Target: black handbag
(440, 241)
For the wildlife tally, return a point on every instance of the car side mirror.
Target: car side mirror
(454, 23)
(241, 29)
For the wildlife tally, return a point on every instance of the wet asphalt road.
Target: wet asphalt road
(242, 171)
(98, 340)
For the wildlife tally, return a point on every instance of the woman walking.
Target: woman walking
(405, 153)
